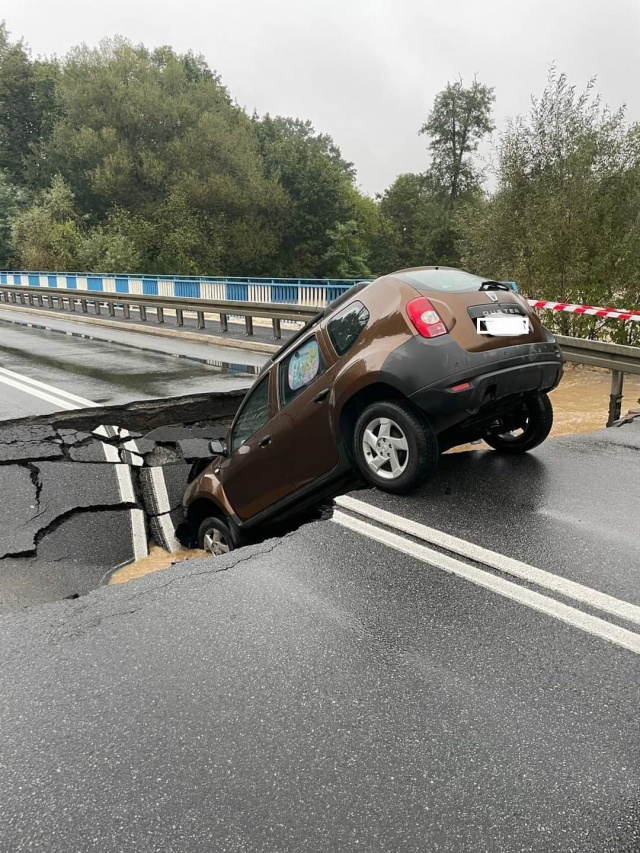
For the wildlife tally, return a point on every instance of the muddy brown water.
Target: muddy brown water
(580, 404)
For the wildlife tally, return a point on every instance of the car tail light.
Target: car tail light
(425, 318)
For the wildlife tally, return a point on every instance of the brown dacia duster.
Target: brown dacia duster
(391, 374)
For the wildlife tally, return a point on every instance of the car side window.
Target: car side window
(254, 414)
(299, 369)
(345, 328)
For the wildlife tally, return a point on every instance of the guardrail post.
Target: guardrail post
(22, 299)
(615, 398)
(224, 322)
(112, 309)
(201, 324)
(248, 322)
(14, 297)
(179, 317)
(277, 331)
(143, 312)
(72, 303)
(49, 300)
(160, 314)
(83, 305)
(96, 306)
(126, 311)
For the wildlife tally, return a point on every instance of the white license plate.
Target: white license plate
(503, 325)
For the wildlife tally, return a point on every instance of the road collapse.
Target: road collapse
(82, 492)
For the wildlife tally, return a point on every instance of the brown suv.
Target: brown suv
(392, 373)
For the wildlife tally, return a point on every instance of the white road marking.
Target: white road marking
(163, 508)
(535, 600)
(570, 589)
(41, 395)
(9, 376)
(138, 533)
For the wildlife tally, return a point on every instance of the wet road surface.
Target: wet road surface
(105, 372)
(328, 692)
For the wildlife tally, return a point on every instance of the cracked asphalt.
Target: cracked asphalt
(323, 692)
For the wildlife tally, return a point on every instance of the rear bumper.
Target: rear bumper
(426, 376)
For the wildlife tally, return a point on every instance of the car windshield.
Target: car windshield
(443, 279)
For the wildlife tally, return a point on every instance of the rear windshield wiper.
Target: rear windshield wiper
(494, 285)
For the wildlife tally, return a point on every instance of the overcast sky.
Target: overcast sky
(366, 71)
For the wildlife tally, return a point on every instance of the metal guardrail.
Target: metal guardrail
(74, 300)
(617, 358)
(309, 292)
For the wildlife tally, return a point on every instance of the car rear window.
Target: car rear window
(344, 329)
(443, 279)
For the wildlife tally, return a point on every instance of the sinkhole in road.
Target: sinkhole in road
(93, 495)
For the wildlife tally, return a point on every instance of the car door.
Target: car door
(254, 476)
(305, 378)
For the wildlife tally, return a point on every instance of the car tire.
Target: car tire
(215, 537)
(539, 420)
(404, 453)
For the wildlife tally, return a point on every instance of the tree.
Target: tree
(47, 235)
(28, 108)
(346, 256)
(565, 219)
(319, 184)
(12, 200)
(459, 119)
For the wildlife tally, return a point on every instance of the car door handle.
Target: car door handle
(321, 396)
(264, 441)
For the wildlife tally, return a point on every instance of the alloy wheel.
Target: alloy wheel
(385, 448)
(214, 541)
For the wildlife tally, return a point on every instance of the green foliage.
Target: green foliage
(47, 235)
(346, 256)
(459, 119)
(28, 109)
(12, 200)
(319, 186)
(565, 220)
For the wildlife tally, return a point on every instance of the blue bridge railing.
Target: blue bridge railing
(312, 292)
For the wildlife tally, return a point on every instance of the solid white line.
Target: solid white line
(163, 508)
(138, 534)
(51, 389)
(41, 395)
(570, 589)
(535, 600)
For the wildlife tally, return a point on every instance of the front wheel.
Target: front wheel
(394, 449)
(215, 537)
(532, 422)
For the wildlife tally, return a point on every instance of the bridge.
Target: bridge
(455, 670)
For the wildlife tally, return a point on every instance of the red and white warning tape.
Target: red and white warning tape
(608, 313)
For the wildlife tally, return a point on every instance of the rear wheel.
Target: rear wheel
(532, 423)
(393, 448)
(215, 537)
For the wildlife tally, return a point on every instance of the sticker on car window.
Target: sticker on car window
(304, 366)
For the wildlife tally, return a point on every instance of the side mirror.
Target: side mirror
(217, 447)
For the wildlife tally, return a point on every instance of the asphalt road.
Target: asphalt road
(106, 372)
(344, 689)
